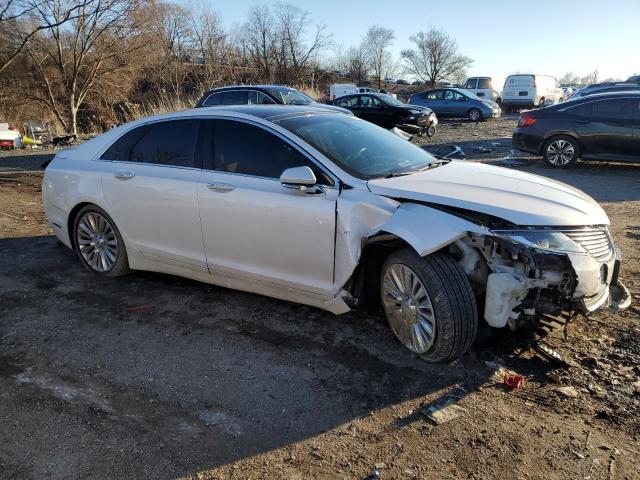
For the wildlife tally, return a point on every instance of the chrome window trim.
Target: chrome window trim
(250, 121)
(594, 100)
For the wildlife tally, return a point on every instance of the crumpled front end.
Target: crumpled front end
(520, 281)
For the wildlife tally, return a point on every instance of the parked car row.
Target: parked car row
(601, 126)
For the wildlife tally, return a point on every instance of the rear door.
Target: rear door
(252, 226)
(373, 110)
(150, 183)
(635, 107)
(434, 100)
(605, 127)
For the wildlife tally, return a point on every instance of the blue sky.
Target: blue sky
(544, 36)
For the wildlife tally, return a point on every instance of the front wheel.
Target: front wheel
(98, 242)
(431, 130)
(474, 115)
(429, 304)
(560, 151)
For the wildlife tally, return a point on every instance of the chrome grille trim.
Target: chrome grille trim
(595, 240)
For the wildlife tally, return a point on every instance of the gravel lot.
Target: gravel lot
(152, 376)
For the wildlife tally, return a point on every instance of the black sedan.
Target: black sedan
(261, 95)
(596, 127)
(388, 112)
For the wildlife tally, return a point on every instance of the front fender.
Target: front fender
(427, 229)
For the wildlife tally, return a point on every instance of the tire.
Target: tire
(431, 131)
(553, 149)
(446, 298)
(98, 243)
(474, 115)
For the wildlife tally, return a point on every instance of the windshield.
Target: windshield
(290, 96)
(389, 100)
(360, 148)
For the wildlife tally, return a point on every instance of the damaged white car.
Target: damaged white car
(332, 211)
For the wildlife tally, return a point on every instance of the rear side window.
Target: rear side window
(471, 83)
(121, 149)
(246, 149)
(213, 100)
(236, 97)
(484, 83)
(618, 108)
(167, 143)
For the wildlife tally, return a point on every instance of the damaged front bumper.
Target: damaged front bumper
(521, 283)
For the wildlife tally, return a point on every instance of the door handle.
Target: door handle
(124, 175)
(220, 187)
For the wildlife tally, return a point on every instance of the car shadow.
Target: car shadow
(23, 159)
(194, 375)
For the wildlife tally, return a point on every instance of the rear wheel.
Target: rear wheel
(560, 151)
(429, 304)
(98, 242)
(474, 115)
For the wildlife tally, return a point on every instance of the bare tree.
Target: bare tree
(591, 77)
(357, 64)
(76, 58)
(259, 39)
(17, 29)
(376, 42)
(435, 57)
(569, 78)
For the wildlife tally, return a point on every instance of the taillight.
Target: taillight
(525, 121)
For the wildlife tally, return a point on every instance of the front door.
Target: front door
(254, 227)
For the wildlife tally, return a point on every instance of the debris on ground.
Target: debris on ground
(443, 410)
(373, 476)
(569, 392)
(482, 150)
(549, 354)
(513, 381)
(401, 133)
(456, 153)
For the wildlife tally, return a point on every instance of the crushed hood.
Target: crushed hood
(520, 198)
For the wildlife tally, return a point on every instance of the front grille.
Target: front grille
(596, 241)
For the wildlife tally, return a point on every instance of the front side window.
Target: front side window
(290, 96)
(452, 96)
(259, 98)
(434, 95)
(484, 83)
(358, 147)
(167, 143)
(250, 150)
(471, 83)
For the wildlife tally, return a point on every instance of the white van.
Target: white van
(338, 90)
(483, 88)
(528, 91)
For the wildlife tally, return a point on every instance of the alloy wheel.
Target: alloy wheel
(474, 115)
(560, 152)
(97, 242)
(408, 308)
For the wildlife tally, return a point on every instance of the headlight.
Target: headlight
(543, 240)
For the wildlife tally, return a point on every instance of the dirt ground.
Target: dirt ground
(152, 376)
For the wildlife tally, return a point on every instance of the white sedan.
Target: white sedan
(332, 211)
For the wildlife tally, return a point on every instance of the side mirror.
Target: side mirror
(302, 179)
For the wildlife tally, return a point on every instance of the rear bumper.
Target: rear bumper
(517, 103)
(526, 142)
